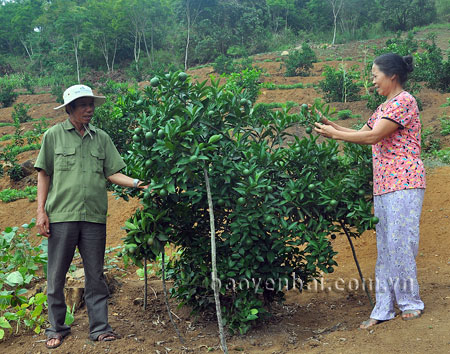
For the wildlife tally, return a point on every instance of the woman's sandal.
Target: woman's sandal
(369, 323)
(415, 314)
(107, 337)
(59, 339)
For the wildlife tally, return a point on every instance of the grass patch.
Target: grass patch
(6, 137)
(271, 86)
(346, 114)
(272, 105)
(10, 195)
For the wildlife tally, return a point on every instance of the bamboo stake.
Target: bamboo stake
(213, 264)
(357, 264)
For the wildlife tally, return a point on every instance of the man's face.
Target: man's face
(83, 110)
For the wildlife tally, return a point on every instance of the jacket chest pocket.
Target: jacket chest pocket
(97, 161)
(65, 158)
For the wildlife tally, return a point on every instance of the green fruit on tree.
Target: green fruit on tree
(246, 172)
(163, 192)
(243, 101)
(361, 192)
(221, 202)
(193, 158)
(293, 193)
(182, 76)
(269, 189)
(148, 136)
(268, 218)
(136, 138)
(138, 130)
(322, 259)
(374, 220)
(131, 250)
(160, 133)
(304, 106)
(119, 254)
(210, 113)
(330, 269)
(308, 130)
(154, 82)
(241, 201)
(333, 202)
(150, 241)
(297, 149)
(148, 163)
(312, 186)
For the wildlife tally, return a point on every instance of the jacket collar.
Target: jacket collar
(67, 125)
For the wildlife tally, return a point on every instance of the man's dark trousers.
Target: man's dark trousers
(91, 240)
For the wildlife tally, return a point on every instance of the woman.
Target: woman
(398, 187)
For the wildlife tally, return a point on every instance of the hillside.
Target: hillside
(322, 320)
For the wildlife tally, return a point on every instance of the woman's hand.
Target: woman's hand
(325, 129)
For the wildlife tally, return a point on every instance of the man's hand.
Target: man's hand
(43, 223)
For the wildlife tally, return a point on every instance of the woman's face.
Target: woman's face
(383, 84)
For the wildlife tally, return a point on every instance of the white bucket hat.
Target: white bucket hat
(77, 91)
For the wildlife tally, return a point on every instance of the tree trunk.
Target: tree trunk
(26, 49)
(104, 46)
(188, 18)
(137, 48)
(146, 47)
(75, 47)
(335, 15)
(114, 56)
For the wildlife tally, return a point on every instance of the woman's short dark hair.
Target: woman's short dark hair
(390, 64)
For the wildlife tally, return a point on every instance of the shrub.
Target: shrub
(20, 112)
(111, 87)
(299, 62)
(15, 172)
(28, 83)
(227, 65)
(116, 118)
(431, 66)
(7, 94)
(429, 144)
(57, 90)
(399, 45)
(247, 80)
(445, 126)
(276, 197)
(224, 65)
(338, 85)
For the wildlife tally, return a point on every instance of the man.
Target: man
(73, 164)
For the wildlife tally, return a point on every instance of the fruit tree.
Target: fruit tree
(278, 198)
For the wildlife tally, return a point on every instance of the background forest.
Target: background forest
(66, 39)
